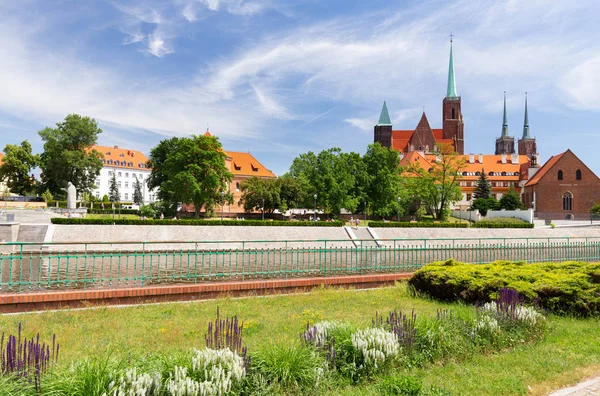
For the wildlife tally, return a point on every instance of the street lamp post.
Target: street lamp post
(398, 218)
(315, 197)
(222, 203)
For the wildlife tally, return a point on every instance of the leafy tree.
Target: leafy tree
(113, 189)
(291, 193)
(437, 187)
(47, 196)
(69, 155)
(511, 200)
(147, 211)
(384, 191)
(485, 204)
(483, 188)
(595, 208)
(138, 197)
(16, 167)
(105, 198)
(331, 175)
(190, 170)
(260, 194)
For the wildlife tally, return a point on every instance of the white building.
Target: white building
(127, 165)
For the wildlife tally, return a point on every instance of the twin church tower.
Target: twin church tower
(423, 138)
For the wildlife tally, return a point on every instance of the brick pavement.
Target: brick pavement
(585, 388)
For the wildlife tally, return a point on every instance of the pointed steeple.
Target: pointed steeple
(451, 92)
(423, 122)
(504, 120)
(384, 118)
(526, 122)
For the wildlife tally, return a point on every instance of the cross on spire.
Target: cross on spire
(451, 92)
(451, 37)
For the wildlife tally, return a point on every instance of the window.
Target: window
(126, 196)
(126, 184)
(109, 173)
(119, 183)
(97, 195)
(119, 174)
(578, 174)
(97, 182)
(494, 185)
(452, 112)
(126, 174)
(237, 186)
(109, 162)
(468, 197)
(560, 175)
(568, 201)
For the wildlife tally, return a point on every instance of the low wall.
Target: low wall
(471, 215)
(22, 205)
(526, 215)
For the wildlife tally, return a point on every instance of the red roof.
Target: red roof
(116, 157)
(544, 169)
(401, 139)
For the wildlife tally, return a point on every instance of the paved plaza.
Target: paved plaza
(585, 388)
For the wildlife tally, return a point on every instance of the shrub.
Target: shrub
(447, 336)
(505, 220)
(147, 211)
(117, 211)
(400, 385)
(423, 224)
(505, 224)
(377, 348)
(197, 222)
(290, 366)
(563, 288)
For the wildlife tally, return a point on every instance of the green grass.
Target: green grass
(569, 352)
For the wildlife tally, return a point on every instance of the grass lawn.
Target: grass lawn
(569, 352)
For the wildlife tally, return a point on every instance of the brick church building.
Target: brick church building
(511, 165)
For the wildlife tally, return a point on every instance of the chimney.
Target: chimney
(481, 158)
(471, 158)
(532, 171)
(504, 158)
(515, 158)
(116, 147)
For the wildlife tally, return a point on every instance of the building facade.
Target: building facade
(564, 188)
(127, 166)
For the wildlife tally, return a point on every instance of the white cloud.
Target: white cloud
(157, 46)
(581, 84)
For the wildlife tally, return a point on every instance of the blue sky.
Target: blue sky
(279, 78)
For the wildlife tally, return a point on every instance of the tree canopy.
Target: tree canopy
(483, 188)
(16, 167)
(69, 155)
(383, 187)
(437, 187)
(260, 194)
(511, 200)
(190, 170)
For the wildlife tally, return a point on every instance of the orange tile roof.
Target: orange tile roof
(414, 157)
(544, 169)
(117, 157)
(401, 139)
(438, 134)
(244, 164)
(1, 157)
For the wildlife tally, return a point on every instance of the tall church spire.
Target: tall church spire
(504, 120)
(451, 92)
(384, 117)
(526, 122)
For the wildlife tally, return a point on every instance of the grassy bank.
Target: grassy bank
(570, 350)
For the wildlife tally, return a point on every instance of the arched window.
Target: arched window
(452, 112)
(478, 173)
(568, 201)
(578, 174)
(560, 175)
(464, 173)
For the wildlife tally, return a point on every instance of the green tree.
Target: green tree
(113, 189)
(386, 197)
(437, 187)
(511, 200)
(485, 204)
(16, 167)
(192, 172)
(260, 194)
(595, 209)
(483, 188)
(47, 196)
(291, 193)
(147, 211)
(138, 197)
(158, 157)
(105, 198)
(331, 176)
(69, 155)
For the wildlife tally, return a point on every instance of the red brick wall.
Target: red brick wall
(453, 128)
(549, 191)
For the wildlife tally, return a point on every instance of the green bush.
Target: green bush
(563, 288)
(197, 222)
(400, 385)
(290, 366)
(421, 224)
(503, 222)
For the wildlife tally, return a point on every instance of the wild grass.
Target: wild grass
(569, 351)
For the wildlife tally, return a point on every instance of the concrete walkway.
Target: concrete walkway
(586, 388)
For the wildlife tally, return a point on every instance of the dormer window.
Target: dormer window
(236, 167)
(121, 155)
(254, 169)
(110, 162)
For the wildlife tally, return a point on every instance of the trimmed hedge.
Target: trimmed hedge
(197, 222)
(63, 204)
(110, 211)
(487, 224)
(562, 288)
(423, 224)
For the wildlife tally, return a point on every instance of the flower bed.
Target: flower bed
(421, 224)
(563, 288)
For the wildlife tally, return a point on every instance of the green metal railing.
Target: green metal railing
(52, 266)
